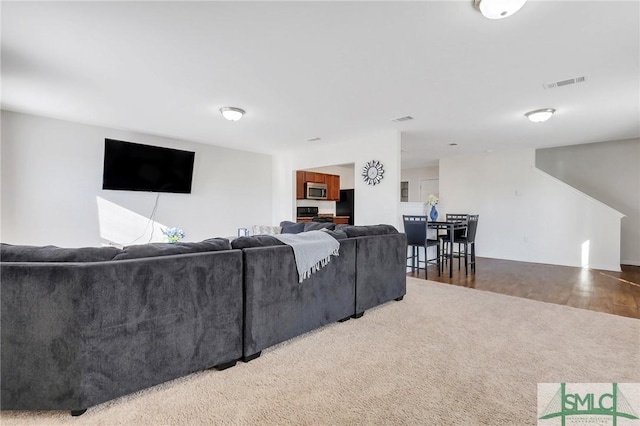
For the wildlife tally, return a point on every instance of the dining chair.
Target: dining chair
(415, 227)
(445, 239)
(467, 245)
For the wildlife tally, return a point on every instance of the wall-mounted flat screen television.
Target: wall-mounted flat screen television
(132, 166)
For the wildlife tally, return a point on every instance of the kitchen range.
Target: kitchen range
(309, 214)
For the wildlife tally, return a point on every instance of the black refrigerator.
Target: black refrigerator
(344, 207)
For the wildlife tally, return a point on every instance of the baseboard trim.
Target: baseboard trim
(611, 268)
(630, 262)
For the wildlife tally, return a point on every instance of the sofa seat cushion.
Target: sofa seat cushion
(368, 230)
(20, 253)
(168, 249)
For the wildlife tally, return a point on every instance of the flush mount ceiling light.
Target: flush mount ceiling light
(232, 113)
(540, 115)
(498, 9)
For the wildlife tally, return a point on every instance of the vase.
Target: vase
(433, 214)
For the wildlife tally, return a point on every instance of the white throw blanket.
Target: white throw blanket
(312, 250)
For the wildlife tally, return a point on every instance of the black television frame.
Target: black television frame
(130, 166)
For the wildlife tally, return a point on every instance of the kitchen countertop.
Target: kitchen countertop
(340, 219)
(320, 215)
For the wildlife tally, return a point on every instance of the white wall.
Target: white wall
(414, 176)
(609, 172)
(527, 215)
(52, 180)
(373, 204)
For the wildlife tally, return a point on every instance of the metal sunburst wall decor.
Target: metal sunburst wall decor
(372, 172)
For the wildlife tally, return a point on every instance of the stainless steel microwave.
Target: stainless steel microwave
(315, 191)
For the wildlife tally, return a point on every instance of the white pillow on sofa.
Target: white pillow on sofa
(266, 230)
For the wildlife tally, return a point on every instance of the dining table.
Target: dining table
(451, 227)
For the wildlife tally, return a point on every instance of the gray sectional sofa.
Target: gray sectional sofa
(278, 307)
(83, 326)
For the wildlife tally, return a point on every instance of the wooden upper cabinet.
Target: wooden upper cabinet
(299, 185)
(333, 187)
(332, 182)
(315, 177)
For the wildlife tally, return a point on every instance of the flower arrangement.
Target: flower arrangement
(432, 200)
(174, 234)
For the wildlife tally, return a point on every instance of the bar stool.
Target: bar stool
(467, 242)
(415, 227)
(445, 239)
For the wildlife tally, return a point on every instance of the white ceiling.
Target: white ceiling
(329, 69)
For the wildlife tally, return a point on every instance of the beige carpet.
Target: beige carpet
(444, 355)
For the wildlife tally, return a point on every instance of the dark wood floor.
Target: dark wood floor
(612, 292)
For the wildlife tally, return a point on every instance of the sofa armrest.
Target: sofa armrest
(278, 307)
(380, 269)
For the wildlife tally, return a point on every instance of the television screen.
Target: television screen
(135, 167)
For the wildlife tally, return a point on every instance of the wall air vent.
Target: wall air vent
(405, 118)
(564, 82)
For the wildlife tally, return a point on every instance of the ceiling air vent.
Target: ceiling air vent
(314, 139)
(564, 82)
(405, 118)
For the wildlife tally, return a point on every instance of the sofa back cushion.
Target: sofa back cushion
(295, 228)
(255, 241)
(316, 226)
(168, 249)
(338, 235)
(364, 231)
(20, 253)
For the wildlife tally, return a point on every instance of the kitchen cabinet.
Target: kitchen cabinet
(314, 177)
(333, 187)
(332, 182)
(300, 185)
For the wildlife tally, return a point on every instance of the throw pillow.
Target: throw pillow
(266, 230)
(296, 228)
